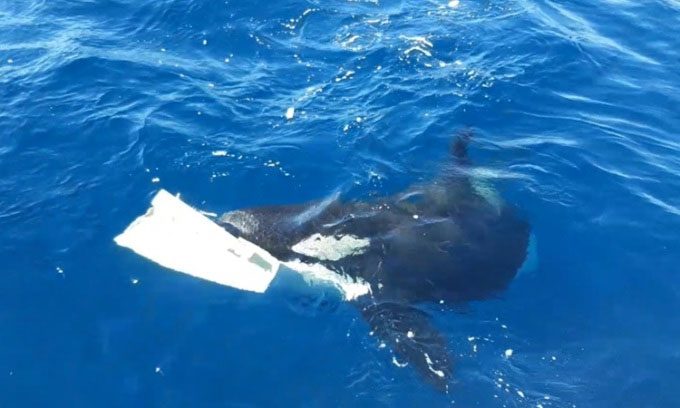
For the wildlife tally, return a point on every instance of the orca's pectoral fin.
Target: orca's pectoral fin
(413, 339)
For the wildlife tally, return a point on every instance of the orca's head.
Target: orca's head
(459, 258)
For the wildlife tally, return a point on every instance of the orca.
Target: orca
(447, 241)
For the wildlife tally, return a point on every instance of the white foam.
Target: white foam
(420, 40)
(349, 287)
(428, 360)
(348, 74)
(418, 49)
(397, 363)
(508, 353)
(349, 41)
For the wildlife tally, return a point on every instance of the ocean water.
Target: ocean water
(575, 107)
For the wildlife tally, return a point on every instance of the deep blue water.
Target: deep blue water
(576, 110)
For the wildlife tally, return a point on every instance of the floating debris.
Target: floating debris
(290, 113)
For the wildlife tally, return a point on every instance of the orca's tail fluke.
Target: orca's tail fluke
(413, 340)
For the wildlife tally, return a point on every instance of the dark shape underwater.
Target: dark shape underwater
(450, 240)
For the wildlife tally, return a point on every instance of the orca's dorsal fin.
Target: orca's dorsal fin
(413, 340)
(460, 144)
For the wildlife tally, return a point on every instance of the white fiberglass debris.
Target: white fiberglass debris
(155, 180)
(176, 236)
(410, 334)
(290, 113)
(219, 153)
(508, 353)
(520, 393)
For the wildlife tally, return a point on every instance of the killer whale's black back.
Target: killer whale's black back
(445, 240)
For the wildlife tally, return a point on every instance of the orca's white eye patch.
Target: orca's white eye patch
(331, 248)
(243, 221)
